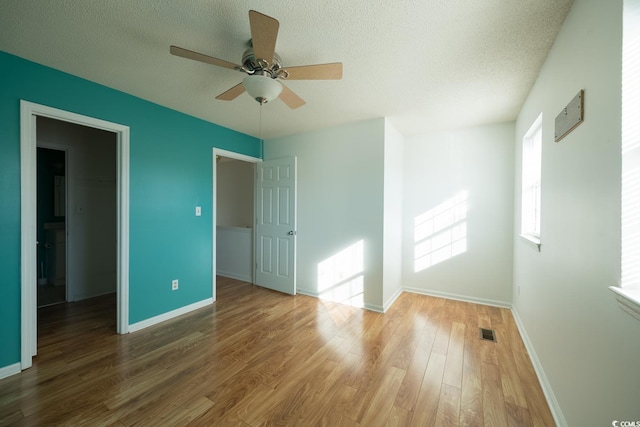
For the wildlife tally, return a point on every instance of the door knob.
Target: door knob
(291, 233)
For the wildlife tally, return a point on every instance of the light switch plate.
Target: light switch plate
(198, 211)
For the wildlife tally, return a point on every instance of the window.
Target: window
(630, 147)
(531, 178)
(628, 291)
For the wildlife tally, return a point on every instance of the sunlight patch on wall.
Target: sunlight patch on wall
(340, 277)
(441, 233)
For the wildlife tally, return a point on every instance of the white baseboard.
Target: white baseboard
(232, 275)
(307, 293)
(370, 307)
(7, 371)
(391, 300)
(169, 315)
(483, 301)
(389, 303)
(373, 307)
(558, 416)
(83, 297)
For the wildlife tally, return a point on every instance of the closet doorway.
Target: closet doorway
(233, 216)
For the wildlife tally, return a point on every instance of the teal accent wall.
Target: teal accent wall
(170, 173)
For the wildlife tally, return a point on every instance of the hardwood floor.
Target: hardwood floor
(257, 357)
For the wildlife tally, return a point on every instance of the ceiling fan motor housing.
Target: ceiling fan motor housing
(255, 65)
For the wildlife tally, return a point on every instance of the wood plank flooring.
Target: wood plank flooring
(257, 357)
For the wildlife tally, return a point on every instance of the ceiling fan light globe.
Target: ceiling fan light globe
(262, 88)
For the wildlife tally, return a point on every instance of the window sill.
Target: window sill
(532, 240)
(628, 299)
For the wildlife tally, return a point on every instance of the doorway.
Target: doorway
(29, 115)
(234, 224)
(272, 262)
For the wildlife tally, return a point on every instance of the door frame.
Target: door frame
(28, 235)
(235, 156)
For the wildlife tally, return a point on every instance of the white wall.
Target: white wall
(439, 165)
(393, 200)
(234, 193)
(340, 202)
(588, 349)
(91, 214)
(234, 252)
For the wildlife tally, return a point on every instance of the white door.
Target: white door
(276, 225)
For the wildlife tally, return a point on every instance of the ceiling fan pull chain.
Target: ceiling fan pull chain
(260, 124)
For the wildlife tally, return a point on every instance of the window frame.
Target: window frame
(531, 184)
(627, 290)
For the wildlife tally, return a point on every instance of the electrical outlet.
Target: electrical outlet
(174, 284)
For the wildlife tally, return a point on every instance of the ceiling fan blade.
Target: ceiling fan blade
(331, 71)
(264, 31)
(292, 100)
(189, 54)
(232, 93)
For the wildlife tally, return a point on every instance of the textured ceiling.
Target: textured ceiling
(425, 64)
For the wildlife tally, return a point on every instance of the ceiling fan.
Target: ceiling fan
(263, 66)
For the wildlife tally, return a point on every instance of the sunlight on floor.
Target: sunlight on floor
(441, 233)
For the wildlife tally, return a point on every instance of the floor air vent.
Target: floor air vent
(488, 334)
